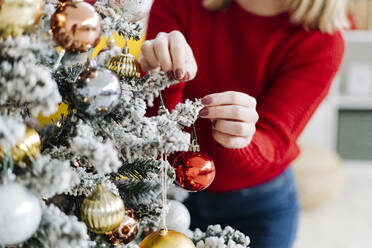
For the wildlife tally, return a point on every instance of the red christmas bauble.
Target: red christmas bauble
(195, 170)
(92, 2)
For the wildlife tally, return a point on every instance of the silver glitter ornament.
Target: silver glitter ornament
(20, 214)
(97, 90)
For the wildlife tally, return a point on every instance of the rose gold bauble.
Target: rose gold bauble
(170, 239)
(195, 170)
(76, 26)
(126, 232)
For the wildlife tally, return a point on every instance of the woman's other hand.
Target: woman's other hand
(169, 52)
(234, 117)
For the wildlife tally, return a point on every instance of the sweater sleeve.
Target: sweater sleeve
(301, 84)
(167, 16)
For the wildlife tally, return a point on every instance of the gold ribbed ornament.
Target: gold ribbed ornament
(28, 148)
(102, 211)
(167, 239)
(124, 65)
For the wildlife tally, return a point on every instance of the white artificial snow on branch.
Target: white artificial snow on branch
(58, 230)
(103, 156)
(12, 130)
(24, 82)
(186, 113)
(89, 182)
(48, 177)
(112, 20)
(216, 237)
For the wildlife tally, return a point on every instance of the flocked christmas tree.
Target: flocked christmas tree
(97, 177)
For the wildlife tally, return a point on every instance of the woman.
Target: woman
(264, 66)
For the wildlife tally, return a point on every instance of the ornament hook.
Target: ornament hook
(8, 167)
(126, 47)
(111, 41)
(8, 164)
(60, 57)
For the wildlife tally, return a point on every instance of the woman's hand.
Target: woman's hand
(169, 52)
(234, 117)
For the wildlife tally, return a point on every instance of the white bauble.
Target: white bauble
(178, 217)
(132, 10)
(20, 214)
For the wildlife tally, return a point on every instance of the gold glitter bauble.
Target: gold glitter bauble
(18, 16)
(102, 211)
(76, 26)
(126, 232)
(124, 65)
(28, 148)
(170, 239)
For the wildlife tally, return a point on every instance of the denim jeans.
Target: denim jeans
(267, 213)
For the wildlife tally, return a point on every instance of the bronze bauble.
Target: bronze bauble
(126, 232)
(76, 26)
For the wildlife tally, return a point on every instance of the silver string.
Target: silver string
(164, 192)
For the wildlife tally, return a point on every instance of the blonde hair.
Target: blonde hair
(324, 15)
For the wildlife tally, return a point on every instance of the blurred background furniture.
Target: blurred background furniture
(319, 176)
(343, 122)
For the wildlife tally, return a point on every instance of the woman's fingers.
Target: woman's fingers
(235, 128)
(170, 53)
(147, 67)
(178, 46)
(161, 48)
(191, 65)
(230, 112)
(148, 56)
(230, 98)
(229, 141)
(234, 117)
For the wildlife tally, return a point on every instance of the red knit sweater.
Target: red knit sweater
(287, 69)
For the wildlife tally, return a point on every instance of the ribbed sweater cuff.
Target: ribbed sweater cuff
(248, 157)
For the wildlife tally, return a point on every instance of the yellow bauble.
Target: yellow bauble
(134, 46)
(62, 111)
(17, 16)
(102, 211)
(28, 148)
(170, 239)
